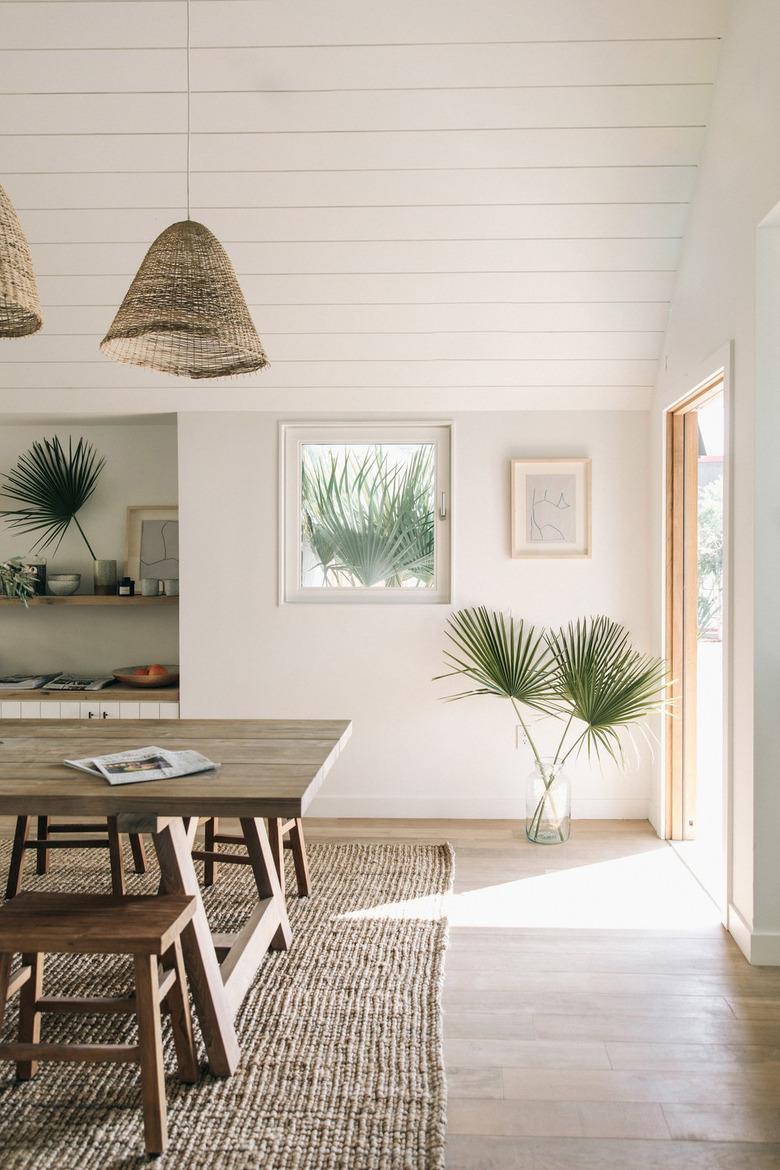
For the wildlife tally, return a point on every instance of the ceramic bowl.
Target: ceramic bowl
(63, 584)
(127, 676)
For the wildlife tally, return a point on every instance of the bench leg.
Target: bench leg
(139, 853)
(115, 858)
(210, 865)
(17, 857)
(5, 978)
(276, 838)
(29, 1016)
(178, 1004)
(147, 990)
(42, 854)
(300, 859)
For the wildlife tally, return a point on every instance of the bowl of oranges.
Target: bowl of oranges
(154, 675)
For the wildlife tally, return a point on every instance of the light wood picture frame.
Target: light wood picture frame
(159, 517)
(551, 508)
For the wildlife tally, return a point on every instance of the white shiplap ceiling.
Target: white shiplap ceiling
(464, 196)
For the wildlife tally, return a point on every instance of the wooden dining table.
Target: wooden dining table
(269, 768)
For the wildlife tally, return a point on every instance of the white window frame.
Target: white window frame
(292, 437)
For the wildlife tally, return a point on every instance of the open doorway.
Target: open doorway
(696, 484)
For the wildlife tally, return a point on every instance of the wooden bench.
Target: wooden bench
(282, 834)
(149, 929)
(48, 838)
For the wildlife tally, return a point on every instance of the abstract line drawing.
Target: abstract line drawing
(551, 513)
(159, 549)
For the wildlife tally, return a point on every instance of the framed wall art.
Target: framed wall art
(550, 508)
(152, 541)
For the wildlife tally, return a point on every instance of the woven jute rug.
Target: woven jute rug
(341, 1064)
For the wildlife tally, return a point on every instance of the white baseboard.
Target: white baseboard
(470, 808)
(760, 947)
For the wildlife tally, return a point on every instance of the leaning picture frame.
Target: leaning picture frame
(551, 508)
(152, 541)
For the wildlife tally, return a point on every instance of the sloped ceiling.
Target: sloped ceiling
(482, 199)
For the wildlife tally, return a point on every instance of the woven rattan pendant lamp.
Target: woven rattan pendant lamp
(20, 309)
(185, 313)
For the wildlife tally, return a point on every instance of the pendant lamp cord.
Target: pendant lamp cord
(189, 111)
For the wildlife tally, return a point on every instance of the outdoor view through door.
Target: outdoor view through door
(695, 632)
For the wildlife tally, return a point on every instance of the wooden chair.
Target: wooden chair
(282, 835)
(107, 838)
(147, 928)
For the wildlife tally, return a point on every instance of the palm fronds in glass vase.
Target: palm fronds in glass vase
(587, 675)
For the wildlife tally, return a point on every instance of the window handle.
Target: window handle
(443, 506)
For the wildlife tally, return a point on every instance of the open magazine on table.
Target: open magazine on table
(149, 763)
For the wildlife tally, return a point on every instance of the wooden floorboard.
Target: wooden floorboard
(588, 1046)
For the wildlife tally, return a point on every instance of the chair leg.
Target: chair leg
(147, 988)
(29, 1016)
(139, 853)
(276, 837)
(17, 857)
(41, 854)
(210, 865)
(5, 978)
(115, 858)
(300, 858)
(178, 1004)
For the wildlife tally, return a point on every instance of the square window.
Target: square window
(365, 513)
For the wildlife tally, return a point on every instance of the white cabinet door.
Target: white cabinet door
(31, 710)
(149, 710)
(12, 710)
(90, 710)
(71, 710)
(169, 710)
(109, 710)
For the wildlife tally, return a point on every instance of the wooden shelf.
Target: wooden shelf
(91, 599)
(108, 694)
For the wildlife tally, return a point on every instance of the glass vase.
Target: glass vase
(547, 804)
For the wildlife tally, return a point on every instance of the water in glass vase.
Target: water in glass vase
(547, 803)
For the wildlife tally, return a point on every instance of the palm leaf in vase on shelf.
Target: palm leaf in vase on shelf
(52, 485)
(586, 675)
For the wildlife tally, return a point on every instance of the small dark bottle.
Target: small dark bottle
(126, 587)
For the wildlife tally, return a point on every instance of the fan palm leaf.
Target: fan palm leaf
(52, 485)
(605, 683)
(501, 657)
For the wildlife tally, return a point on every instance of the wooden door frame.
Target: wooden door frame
(681, 489)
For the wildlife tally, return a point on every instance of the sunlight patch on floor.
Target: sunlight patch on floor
(646, 891)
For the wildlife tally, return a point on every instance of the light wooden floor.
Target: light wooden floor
(597, 1016)
(621, 1030)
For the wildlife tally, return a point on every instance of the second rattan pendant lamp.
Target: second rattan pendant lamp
(185, 313)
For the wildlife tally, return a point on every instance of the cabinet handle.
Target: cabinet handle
(91, 715)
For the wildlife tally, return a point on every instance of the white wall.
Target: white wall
(411, 754)
(714, 302)
(140, 469)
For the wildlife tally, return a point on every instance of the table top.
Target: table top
(270, 767)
